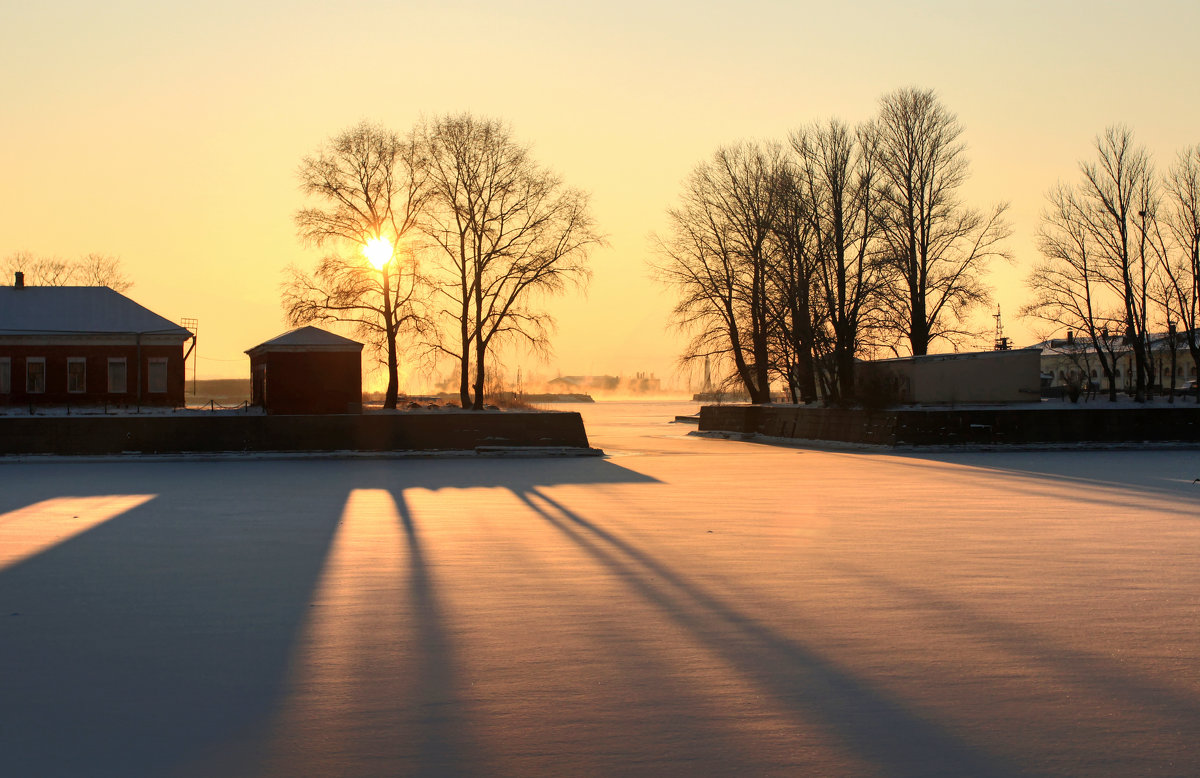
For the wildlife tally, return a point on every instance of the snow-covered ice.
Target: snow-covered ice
(683, 606)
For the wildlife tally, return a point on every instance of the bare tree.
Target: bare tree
(370, 183)
(719, 258)
(507, 231)
(937, 248)
(1182, 269)
(1118, 199)
(89, 270)
(1103, 248)
(796, 317)
(1067, 285)
(839, 166)
(101, 270)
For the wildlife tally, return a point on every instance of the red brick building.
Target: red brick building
(307, 371)
(86, 345)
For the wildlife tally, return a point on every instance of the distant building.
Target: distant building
(307, 371)
(643, 383)
(584, 383)
(86, 345)
(1073, 360)
(985, 377)
(640, 383)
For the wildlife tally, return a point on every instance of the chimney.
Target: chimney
(19, 280)
(1070, 337)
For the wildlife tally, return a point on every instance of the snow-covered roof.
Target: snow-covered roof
(78, 310)
(307, 339)
(1081, 342)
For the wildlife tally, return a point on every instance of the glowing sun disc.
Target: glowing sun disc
(378, 252)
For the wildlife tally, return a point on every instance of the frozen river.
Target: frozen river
(683, 606)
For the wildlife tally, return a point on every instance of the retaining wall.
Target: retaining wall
(926, 427)
(444, 431)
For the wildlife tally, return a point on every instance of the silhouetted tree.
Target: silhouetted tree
(507, 231)
(1067, 284)
(370, 183)
(937, 249)
(1102, 240)
(795, 315)
(89, 270)
(101, 270)
(719, 257)
(1182, 218)
(838, 171)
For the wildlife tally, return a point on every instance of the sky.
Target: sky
(170, 134)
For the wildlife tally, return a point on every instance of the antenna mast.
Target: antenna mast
(192, 326)
(1002, 343)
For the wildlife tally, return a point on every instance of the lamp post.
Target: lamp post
(378, 251)
(1171, 341)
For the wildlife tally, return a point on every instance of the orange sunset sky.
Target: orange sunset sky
(169, 134)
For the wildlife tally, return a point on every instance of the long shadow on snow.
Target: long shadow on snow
(1125, 469)
(875, 727)
(1085, 669)
(1078, 466)
(1099, 469)
(153, 639)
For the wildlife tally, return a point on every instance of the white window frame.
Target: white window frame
(151, 364)
(29, 361)
(5, 375)
(82, 389)
(125, 375)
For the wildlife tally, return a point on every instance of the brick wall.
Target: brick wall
(96, 388)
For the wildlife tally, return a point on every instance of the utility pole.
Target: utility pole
(1171, 341)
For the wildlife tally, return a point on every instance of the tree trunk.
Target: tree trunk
(807, 373)
(389, 328)
(480, 343)
(464, 373)
(1194, 348)
(844, 358)
(480, 353)
(919, 331)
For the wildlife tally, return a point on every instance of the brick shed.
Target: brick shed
(306, 371)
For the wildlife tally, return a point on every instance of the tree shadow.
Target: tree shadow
(1106, 472)
(1167, 472)
(1082, 668)
(444, 745)
(873, 725)
(1097, 468)
(162, 635)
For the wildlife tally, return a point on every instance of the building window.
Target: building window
(157, 376)
(76, 375)
(35, 375)
(6, 375)
(116, 375)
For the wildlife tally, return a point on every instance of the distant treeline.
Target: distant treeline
(794, 259)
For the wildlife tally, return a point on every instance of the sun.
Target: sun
(378, 252)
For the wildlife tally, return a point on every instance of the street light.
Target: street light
(1171, 336)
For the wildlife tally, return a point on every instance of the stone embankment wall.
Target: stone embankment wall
(932, 427)
(446, 431)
